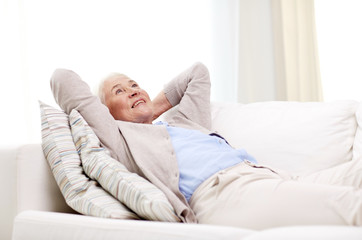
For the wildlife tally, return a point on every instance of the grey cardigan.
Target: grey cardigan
(144, 149)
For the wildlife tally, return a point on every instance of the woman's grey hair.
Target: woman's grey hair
(100, 91)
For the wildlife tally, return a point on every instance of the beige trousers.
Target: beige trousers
(258, 197)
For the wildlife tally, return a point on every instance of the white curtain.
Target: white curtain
(277, 51)
(296, 53)
(256, 80)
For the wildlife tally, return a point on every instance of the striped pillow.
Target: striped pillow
(80, 193)
(135, 192)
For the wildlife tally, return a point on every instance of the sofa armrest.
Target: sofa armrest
(8, 190)
(39, 225)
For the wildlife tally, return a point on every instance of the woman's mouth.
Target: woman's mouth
(138, 102)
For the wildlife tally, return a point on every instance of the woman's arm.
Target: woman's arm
(70, 92)
(190, 90)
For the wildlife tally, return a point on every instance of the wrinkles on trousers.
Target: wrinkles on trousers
(350, 211)
(245, 173)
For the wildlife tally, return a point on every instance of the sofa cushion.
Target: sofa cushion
(82, 194)
(134, 191)
(36, 225)
(298, 137)
(357, 145)
(310, 232)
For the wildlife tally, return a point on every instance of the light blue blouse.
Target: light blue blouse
(199, 156)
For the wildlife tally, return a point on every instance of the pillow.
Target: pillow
(300, 137)
(80, 193)
(135, 192)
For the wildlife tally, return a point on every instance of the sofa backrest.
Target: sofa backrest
(298, 137)
(357, 145)
(36, 186)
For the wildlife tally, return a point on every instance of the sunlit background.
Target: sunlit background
(153, 40)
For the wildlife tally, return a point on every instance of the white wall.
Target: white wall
(339, 34)
(151, 41)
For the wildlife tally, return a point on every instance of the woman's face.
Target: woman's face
(127, 101)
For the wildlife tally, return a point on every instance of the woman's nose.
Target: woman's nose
(132, 92)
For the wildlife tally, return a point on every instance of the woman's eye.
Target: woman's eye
(118, 91)
(135, 85)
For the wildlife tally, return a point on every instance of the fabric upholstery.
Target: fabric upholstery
(298, 137)
(36, 186)
(35, 225)
(357, 145)
(7, 186)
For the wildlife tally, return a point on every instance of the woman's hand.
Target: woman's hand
(160, 105)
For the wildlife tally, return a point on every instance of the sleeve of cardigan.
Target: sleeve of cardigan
(190, 90)
(70, 92)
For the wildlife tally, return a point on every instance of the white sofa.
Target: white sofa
(298, 137)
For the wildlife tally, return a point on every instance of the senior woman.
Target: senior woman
(203, 177)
